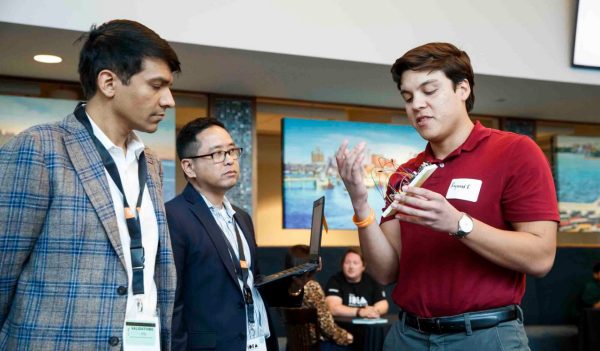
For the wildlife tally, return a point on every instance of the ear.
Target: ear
(187, 168)
(106, 82)
(463, 88)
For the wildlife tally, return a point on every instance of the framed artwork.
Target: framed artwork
(577, 177)
(19, 113)
(310, 170)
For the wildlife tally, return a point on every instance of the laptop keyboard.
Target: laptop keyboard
(294, 270)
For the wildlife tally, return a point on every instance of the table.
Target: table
(367, 337)
(589, 329)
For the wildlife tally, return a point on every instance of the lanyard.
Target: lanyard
(133, 221)
(241, 270)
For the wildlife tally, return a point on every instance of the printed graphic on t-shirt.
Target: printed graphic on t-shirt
(356, 301)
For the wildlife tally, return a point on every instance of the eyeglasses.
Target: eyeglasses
(219, 156)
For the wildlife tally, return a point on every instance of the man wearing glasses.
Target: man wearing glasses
(217, 306)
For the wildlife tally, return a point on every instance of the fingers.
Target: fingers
(414, 210)
(350, 161)
(425, 207)
(340, 155)
(351, 172)
(352, 156)
(419, 206)
(414, 201)
(370, 312)
(357, 168)
(420, 192)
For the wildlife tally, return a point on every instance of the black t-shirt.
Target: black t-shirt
(366, 292)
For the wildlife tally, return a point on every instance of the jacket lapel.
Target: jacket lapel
(203, 214)
(89, 169)
(154, 184)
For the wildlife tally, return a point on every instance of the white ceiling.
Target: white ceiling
(252, 73)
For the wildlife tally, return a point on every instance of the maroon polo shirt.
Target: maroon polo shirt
(438, 274)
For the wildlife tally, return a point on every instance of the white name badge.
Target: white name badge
(464, 189)
(141, 334)
(256, 344)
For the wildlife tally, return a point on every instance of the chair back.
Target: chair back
(298, 322)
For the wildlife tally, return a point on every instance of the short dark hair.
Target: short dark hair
(597, 267)
(186, 142)
(444, 57)
(296, 255)
(355, 250)
(120, 46)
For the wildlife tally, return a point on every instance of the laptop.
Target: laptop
(315, 246)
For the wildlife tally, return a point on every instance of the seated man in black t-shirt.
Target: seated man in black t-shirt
(352, 292)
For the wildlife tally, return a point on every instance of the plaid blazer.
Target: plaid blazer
(61, 259)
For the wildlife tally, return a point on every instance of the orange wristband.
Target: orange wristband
(365, 222)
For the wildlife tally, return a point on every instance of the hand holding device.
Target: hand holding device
(417, 181)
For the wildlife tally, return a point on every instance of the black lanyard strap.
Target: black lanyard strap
(132, 220)
(241, 270)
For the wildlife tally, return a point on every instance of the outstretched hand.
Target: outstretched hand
(427, 208)
(350, 168)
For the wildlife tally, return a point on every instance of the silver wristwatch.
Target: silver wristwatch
(465, 226)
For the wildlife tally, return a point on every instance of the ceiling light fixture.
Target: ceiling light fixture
(47, 58)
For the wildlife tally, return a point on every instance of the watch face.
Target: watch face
(465, 224)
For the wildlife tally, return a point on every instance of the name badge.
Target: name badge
(256, 344)
(142, 334)
(464, 189)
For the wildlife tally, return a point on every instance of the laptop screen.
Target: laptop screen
(317, 226)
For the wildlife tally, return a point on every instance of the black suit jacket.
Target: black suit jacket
(209, 310)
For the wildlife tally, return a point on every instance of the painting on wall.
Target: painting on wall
(19, 113)
(577, 177)
(310, 169)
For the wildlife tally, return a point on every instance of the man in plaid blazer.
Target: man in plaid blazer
(65, 259)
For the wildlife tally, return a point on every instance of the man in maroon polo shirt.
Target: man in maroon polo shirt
(459, 246)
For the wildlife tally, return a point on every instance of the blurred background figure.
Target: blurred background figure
(331, 335)
(591, 292)
(352, 292)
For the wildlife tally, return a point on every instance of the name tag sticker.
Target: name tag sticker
(141, 335)
(464, 189)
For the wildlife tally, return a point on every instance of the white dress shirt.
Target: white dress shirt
(127, 164)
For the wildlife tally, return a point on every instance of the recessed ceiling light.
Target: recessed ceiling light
(47, 58)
